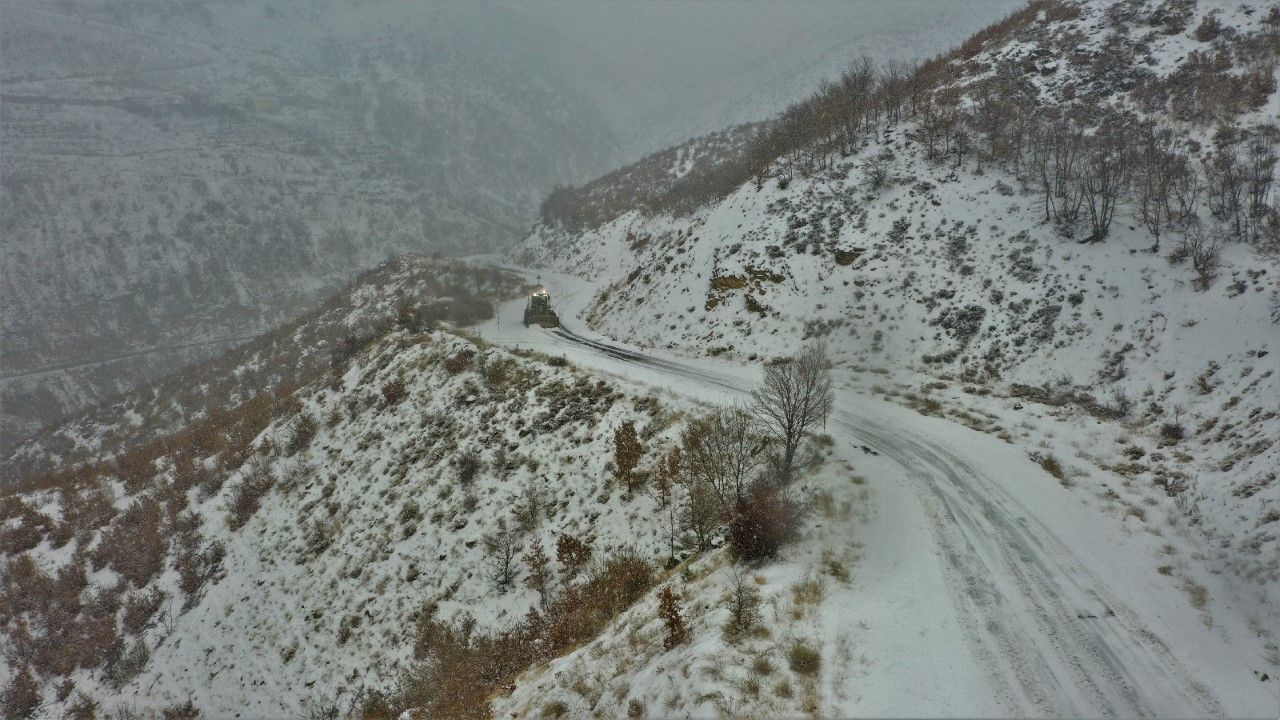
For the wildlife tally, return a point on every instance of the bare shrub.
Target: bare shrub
(803, 659)
(128, 664)
(138, 609)
(626, 454)
(460, 668)
(28, 532)
(393, 392)
(1209, 28)
(501, 549)
(573, 555)
(763, 522)
(21, 696)
(669, 611)
(743, 601)
(135, 546)
(195, 566)
(246, 496)
(82, 707)
(1050, 465)
(467, 464)
(303, 432)
(185, 710)
(539, 577)
(458, 362)
(1172, 432)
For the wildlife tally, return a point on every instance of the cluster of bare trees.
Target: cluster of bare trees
(733, 469)
(1087, 161)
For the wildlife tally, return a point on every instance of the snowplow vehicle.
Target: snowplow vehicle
(539, 312)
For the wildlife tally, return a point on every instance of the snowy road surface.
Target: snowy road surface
(987, 588)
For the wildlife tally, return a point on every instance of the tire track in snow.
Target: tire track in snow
(1056, 640)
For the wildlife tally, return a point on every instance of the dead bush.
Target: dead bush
(573, 555)
(138, 609)
(128, 664)
(669, 611)
(1172, 432)
(1205, 252)
(766, 519)
(303, 432)
(1050, 465)
(181, 711)
(82, 707)
(803, 659)
(135, 545)
(1209, 28)
(462, 668)
(247, 496)
(743, 600)
(393, 392)
(21, 696)
(458, 362)
(626, 454)
(28, 532)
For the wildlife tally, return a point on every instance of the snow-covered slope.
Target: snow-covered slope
(310, 552)
(409, 291)
(946, 269)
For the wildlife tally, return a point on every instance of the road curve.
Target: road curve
(1053, 640)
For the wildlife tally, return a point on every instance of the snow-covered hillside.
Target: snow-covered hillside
(934, 267)
(410, 291)
(308, 554)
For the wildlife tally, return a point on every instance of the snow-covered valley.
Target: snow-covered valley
(950, 391)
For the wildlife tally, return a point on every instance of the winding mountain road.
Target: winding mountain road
(1053, 601)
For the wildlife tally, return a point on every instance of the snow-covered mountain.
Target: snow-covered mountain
(1045, 487)
(178, 178)
(919, 249)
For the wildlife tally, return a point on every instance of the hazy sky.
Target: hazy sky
(664, 68)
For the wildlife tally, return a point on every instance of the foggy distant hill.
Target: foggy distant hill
(182, 174)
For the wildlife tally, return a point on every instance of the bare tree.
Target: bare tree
(668, 476)
(502, 546)
(743, 601)
(1259, 176)
(722, 450)
(1225, 176)
(626, 454)
(539, 578)
(796, 395)
(1056, 149)
(1105, 175)
(989, 119)
(877, 168)
(1160, 167)
(701, 516)
(1204, 250)
(1186, 188)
